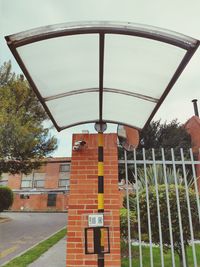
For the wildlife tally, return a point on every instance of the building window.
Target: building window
(4, 179)
(39, 179)
(51, 201)
(63, 183)
(64, 176)
(27, 180)
(39, 183)
(26, 184)
(35, 179)
(65, 167)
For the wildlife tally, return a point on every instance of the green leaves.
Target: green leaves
(6, 76)
(6, 198)
(165, 216)
(167, 136)
(124, 223)
(23, 138)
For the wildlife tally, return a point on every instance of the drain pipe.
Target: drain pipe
(196, 112)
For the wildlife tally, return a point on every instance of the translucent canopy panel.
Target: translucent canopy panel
(119, 107)
(74, 110)
(148, 76)
(101, 71)
(66, 63)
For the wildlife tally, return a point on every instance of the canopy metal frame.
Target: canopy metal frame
(102, 28)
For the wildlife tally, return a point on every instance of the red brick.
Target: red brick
(83, 197)
(89, 263)
(38, 201)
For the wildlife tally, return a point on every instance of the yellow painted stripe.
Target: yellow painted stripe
(102, 237)
(100, 201)
(100, 139)
(8, 251)
(100, 169)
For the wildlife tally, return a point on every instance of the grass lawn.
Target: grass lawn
(156, 257)
(35, 252)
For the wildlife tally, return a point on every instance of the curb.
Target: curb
(23, 252)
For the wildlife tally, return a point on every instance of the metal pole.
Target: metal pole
(178, 208)
(128, 210)
(168, 207)
(158, 208)
(148, 208)
(189, 210)
(138, 209)
(100, 194)
(196, 112)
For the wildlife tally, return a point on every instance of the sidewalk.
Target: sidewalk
(54, 257)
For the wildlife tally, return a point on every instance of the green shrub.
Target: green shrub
(124, 229)
(174, 216)
(124, 223)
(6, 198)
(164, 213)
(164, 216)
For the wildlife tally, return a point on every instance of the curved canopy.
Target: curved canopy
(101, 71)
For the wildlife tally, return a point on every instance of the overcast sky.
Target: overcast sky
(177, 15)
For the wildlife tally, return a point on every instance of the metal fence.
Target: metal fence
(163, 195)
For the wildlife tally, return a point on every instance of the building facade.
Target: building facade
(45, 189)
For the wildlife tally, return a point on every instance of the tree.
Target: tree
(24, 140)
(6, 76)
(158, 135)
(6, 198)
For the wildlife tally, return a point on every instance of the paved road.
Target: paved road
(25, 230)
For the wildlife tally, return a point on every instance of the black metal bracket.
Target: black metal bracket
(98, 248)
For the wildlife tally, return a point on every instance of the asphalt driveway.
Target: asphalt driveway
(23, 230)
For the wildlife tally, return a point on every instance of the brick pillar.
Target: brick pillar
(83, 199)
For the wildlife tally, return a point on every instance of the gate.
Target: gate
(163, 208)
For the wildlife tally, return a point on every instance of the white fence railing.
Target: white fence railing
(165, 200)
